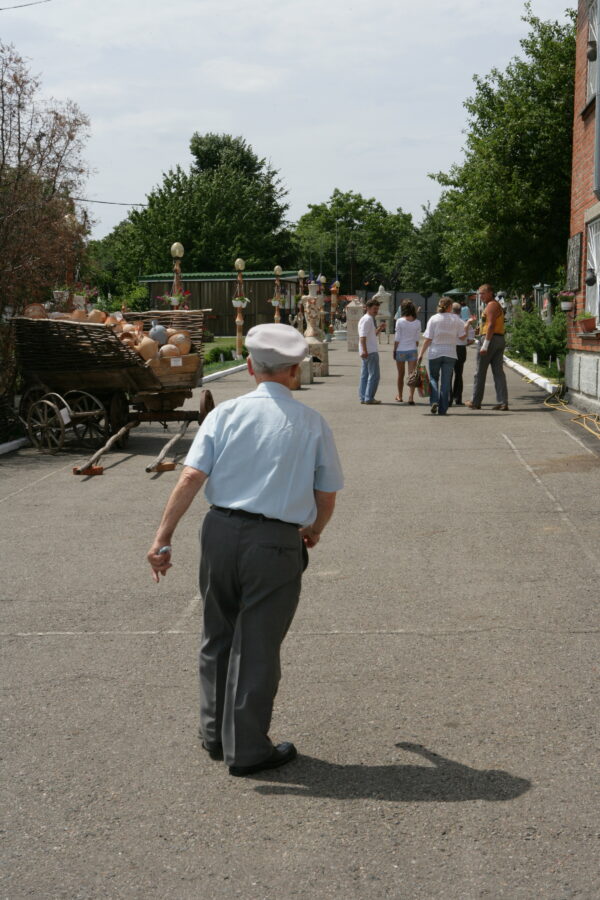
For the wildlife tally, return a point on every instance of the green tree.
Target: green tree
(425, 269)
(41, 169)
(507, 206)
(372, 243)
(229, 203)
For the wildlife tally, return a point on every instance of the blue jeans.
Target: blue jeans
(440, 377)
(369, 377)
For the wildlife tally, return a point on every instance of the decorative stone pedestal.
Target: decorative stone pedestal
(319, 353)
(384, 314)
(317, 347)
(354, 313)
(305, 373)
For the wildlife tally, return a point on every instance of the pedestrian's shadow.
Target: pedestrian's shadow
(443, 781)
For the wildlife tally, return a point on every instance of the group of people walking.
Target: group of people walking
(445, 339)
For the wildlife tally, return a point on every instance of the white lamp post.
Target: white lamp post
(177, 289)
(240, 265)
(276, 301)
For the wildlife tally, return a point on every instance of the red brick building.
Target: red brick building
(583, 267)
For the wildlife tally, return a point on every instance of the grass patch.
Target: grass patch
(551, 372)
(210, 368)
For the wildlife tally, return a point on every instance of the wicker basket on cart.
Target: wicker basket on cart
(191, 320)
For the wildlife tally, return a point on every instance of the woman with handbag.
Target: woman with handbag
(406, 341)
(443, 331)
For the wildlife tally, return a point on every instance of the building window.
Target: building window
(592, 36)
(592, 293)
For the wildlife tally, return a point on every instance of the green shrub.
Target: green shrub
(214, 354)
(529, 334)
(557, 335)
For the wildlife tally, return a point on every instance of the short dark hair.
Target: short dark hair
(408, 308)
(372, 302)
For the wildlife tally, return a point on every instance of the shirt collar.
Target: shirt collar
(272, 389)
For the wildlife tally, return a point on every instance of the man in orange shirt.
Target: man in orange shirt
(491, 352)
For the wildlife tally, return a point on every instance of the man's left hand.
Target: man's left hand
(309, 536)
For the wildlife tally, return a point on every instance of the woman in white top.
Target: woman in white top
(443, 331)
(406, 341)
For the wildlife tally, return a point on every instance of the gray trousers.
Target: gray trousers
(250, 579)
(492, 359)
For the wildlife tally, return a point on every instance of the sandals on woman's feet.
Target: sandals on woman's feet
(398, 399)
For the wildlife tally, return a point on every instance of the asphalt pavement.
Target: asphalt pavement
(440, 679)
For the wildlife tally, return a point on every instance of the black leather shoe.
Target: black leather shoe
(281, 754)
(215, 751)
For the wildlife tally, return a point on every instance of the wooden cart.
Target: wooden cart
(83, 386)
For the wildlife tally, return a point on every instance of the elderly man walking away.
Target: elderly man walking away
(262, 518)
(369, 353)
(491, 352)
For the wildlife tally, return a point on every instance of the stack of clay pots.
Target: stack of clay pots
(159, 343)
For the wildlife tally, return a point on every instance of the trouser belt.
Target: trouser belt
(244, 514)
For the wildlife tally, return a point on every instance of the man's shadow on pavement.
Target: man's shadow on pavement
(445, 781)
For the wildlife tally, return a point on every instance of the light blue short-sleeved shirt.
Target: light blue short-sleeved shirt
(266, 452)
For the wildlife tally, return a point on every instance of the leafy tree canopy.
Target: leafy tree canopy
(229, 203)
(425, 269)
(507, 206)
(372, 243)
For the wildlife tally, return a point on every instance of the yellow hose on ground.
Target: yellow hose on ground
(589, 421)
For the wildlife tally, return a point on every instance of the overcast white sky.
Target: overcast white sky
(362, 95)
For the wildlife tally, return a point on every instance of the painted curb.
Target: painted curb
(539, 380)
(13, 445)
(215, 375)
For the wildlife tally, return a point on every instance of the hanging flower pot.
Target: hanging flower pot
(240, 301)
(566, 305)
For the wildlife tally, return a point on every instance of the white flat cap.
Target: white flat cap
(276, 345)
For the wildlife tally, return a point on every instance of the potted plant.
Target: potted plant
(241, 301)
(587, 321)
(566, 299)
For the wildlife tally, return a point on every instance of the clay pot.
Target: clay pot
(79, 315)
(182, 342)
(128, 339)
(129, 328)
(158, 332)
(168, 350)
(147, 348)
(97, 315)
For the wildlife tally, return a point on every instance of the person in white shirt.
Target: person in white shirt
(406, 341)
(461, 356)
(369, 353)
(441, 335)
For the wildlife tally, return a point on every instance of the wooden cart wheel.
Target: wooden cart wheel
(29, 396)
(118, 414)
(90, 419)
(45, 426)
(207, 403)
